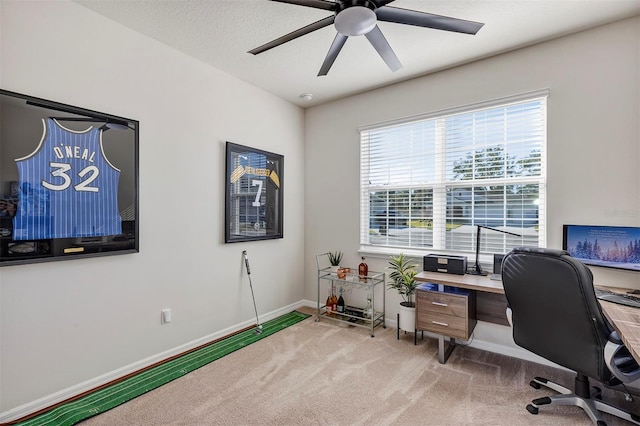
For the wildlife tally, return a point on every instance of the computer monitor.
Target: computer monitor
(608, 246)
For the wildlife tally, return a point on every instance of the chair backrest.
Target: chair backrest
(555, 311)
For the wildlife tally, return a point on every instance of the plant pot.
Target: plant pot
(407, 317)
(333, 268)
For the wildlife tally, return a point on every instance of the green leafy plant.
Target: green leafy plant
(402, 277)
(335, 258)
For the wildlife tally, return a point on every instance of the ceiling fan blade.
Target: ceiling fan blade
(335, 48)
(427, 20)
(318, 4)
(379, 42)
(294, 34)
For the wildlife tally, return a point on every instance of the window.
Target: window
(430, 181)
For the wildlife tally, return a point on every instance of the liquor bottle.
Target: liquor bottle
(363, 271)
(329, 304)
(334, 301)
(368, 310)
(341, 303)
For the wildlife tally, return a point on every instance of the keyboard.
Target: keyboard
(619, 298)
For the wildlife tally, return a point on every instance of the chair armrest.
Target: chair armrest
(621, 363)
(614, 337)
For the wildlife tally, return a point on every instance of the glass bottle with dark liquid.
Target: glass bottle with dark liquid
(341, 303)
(363, 271)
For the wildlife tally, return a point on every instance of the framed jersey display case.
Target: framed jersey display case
(253, 195)
(68, 181)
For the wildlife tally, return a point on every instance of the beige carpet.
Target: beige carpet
(316, 373)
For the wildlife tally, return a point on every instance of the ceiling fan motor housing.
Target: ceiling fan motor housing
(355, 17)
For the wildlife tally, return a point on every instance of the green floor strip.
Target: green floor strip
(125, 390)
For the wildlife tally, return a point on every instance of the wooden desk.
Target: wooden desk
(471, 282)
(491, 302)
(487, 304)
(625, 319)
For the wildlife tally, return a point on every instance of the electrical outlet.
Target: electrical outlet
(165, 316)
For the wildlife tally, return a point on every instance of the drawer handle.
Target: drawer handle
(439, 304)
(444, 324)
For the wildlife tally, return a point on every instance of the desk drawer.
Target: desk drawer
(443, 303)
(447, 325)
(448, 314)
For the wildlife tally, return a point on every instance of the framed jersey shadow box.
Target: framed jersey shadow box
(253, 195)
(68, 181)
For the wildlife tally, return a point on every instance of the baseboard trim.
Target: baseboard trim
(89, 385)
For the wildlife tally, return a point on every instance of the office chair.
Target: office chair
(555, 314)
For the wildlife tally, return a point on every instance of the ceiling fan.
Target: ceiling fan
(359, 17)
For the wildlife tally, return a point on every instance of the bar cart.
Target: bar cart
(368, 317)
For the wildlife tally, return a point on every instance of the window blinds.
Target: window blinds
(428, 182)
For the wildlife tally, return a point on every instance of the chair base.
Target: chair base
(583, 397)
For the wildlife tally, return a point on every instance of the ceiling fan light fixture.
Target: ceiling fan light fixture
(355, 21)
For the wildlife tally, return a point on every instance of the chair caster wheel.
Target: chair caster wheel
(601, 423)
(532, 409)
(534, 384)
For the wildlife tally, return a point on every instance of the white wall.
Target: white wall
(593, 142)
(65, 325)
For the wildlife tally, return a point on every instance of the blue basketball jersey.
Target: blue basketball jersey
(67, 187)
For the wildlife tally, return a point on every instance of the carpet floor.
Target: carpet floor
(325, 373)
(114, 395)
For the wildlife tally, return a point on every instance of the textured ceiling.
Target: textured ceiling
(220, 32)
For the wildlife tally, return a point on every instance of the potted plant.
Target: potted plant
(402, 277)
(335, 258)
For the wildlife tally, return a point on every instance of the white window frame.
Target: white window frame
(440, 185)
